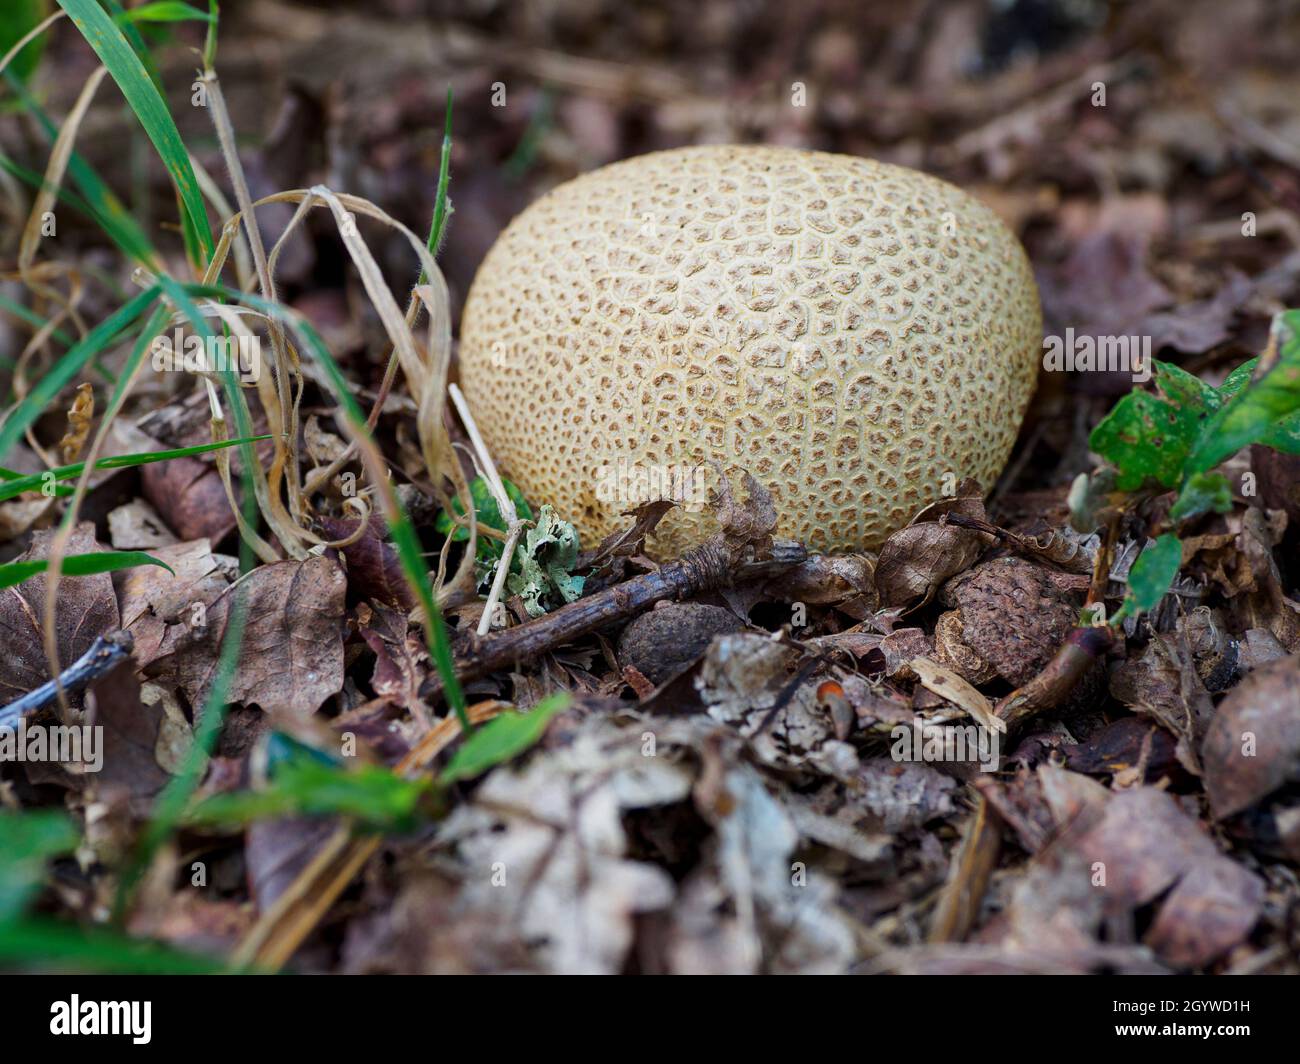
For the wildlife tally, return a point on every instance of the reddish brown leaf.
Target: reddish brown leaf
(374, 571)
(401, 660)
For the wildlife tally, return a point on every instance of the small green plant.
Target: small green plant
(487, 550)
(1175, 437)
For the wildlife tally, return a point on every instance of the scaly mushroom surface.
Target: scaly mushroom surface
(857, 335)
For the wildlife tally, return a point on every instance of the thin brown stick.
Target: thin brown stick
(1052, 547)
(709, 566)
(968, 878)
(1082, 649)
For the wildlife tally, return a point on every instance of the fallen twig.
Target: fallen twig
(1055, 547)
(103, 656)
(705, 568)
(1082, 649)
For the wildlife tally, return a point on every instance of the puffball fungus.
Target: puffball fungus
(858, 336)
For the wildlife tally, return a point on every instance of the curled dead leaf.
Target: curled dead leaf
(1252, 745)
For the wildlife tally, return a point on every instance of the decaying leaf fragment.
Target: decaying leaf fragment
(543, 852)
(1252, 746)
(748, 897)
(915, 560)
(81, 416)
(1164, 684)
(755, 686)
(293, 640)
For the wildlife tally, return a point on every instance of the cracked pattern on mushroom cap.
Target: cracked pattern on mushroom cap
(848, 331)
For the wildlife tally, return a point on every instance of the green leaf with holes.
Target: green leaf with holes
(1149, 435)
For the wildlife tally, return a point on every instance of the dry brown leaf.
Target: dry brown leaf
(401, 658)
(844, 581)
(947, 684)
(161, 608)
(86, 608)
(292, 658)
(1252, 746)
(189, 496)
(374, 571)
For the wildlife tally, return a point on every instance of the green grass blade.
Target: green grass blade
(175, 797)
(27, 840)
(21, 17)
(124, 66)
(67, 367)
(370, 794)
(99, 203)
(163, 11)
(132, 34)
(439, 222)
(80, 565)
(121, 235)
(33, 319)
(46, 945)
(36, 481)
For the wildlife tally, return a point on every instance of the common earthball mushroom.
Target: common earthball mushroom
(855, 334)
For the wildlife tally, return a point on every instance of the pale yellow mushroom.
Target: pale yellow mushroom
(859, 336)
